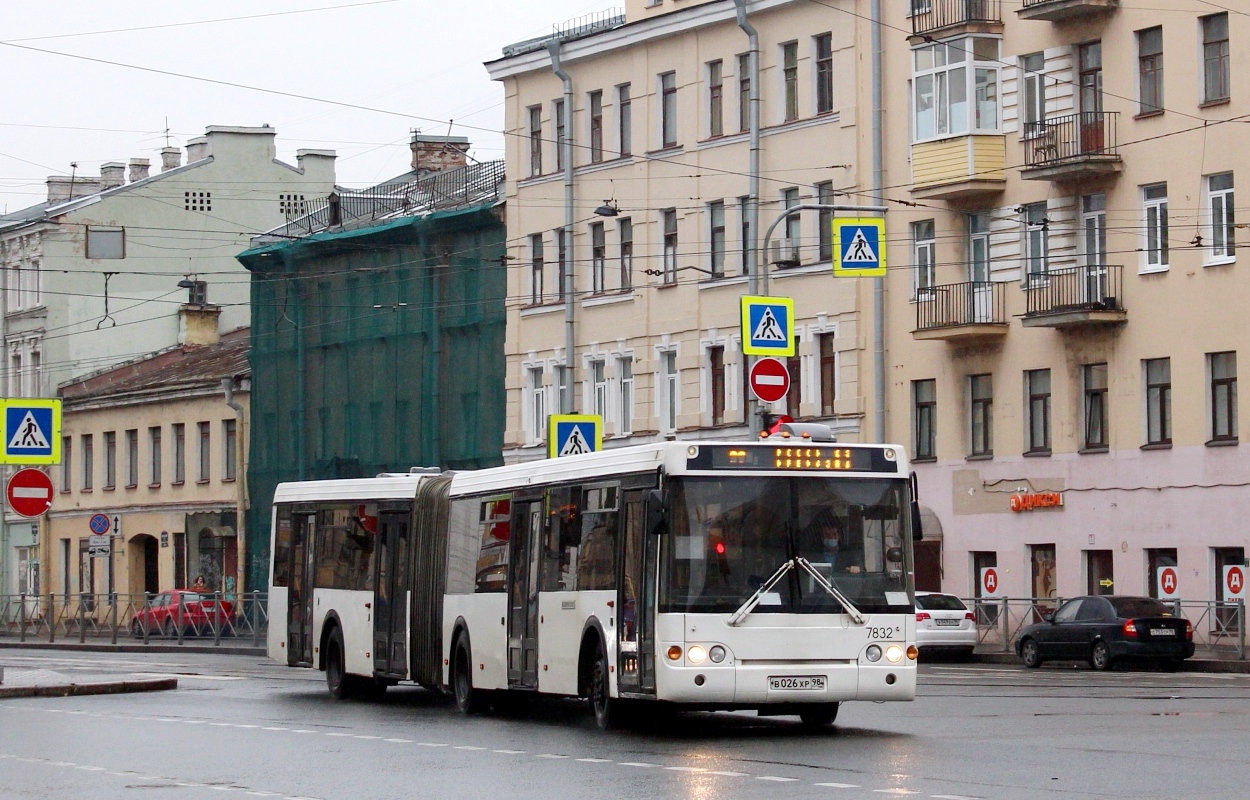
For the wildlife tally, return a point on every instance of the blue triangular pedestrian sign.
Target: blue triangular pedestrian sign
(574, 434)
(859, 247)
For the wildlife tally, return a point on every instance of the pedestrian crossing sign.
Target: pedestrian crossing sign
(767, 326)
(858, 247)
(32, 431)
(574, 434)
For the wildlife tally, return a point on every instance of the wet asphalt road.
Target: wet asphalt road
(244, 727)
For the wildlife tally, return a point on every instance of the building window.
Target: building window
(668, 109)
(1215, 65)
(715, 99)
(1223, 370)
(716, 367)
(599, 387)
(716, 221)
(1036, 241)
(536, 269)
(1155, 200)
(1037, 410)
(67, 463)
(1089, 59)
(625, 229)
(1158, 401)
(944, 80)
(744, 207)
(671, 386)
(15, 373)
(1156, 559)
(292, 206)
(197, 201)
(828, 374)
(669, 218)
(981, 427)
(562, 262)
(536, 140)
(924, 417)
(557, 113)
(132, 458)
(537, 404)
(924, 249)
(1094, 380)
(154, 456)
(1094, 229)
(824, 234)
(1223, 228)
(824, 73)
(106, 242)
(203, 452)
(794, 230)
(744, 92)
(790, 76)
(88, 462)
(794, 396)
(110, 460)
(1032, 94)
(979, 249)
(625, 368)
(596, 127)
(179, 453)
(598, 258)
(1150, 70)
(229, 449)
(624, 119)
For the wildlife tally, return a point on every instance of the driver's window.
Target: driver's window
(1067, 612)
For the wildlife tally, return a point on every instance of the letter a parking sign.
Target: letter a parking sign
(858, 247)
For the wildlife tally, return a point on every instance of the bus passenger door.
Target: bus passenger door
(636, 652)
(390, 607)
(527, 529)
(299, 625)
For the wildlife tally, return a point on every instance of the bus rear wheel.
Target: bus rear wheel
(610, 712)
(337, 679)
(468, 699)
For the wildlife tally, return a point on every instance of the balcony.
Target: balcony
(957, 312)
(1071, 148)
(961, 168)
(1076, 297)
(931, 16)
(1061, 10)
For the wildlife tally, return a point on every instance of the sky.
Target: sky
(413, 63)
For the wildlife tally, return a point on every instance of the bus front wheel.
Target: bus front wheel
(821, 716)
(468, 699)
(337, 680)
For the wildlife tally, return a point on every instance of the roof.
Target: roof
(180, 369)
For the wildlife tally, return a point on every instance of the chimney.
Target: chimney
(139, 169)
(198, 325)
(432, 154)
(112, 174)
(171, 158)
(316, 164)
(63, 187)
(197, 149)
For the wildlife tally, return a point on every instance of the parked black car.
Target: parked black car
(1102, 630)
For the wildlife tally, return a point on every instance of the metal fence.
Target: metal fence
(1089, 135)
(1092, 287)
(97, 618)
(953, 304)
(1219, 627)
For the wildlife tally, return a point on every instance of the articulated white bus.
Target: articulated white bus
(772, 575)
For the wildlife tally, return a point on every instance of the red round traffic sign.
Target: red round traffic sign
(770, 380)
(1234, 582)
(29, 492)
(989, 581)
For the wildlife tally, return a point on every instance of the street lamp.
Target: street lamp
(608, 209)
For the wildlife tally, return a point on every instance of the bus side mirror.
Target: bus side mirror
(916, 527)
(655, 514)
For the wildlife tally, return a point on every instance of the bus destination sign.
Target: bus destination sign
(795, 458)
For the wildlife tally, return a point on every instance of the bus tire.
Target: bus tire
(819, 716)
(468, 699)
(609, 711)
(337, 680)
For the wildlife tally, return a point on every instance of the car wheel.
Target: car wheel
(136, 629)
(1100, 657)
(819, 716)
(1029, 654)
(168, 629)
(468, 699)
(337, 680)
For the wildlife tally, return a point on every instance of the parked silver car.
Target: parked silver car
(944, 624)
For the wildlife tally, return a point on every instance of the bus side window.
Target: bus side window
(596, 566)
(282, 548)
(495, 526)
(562, 540)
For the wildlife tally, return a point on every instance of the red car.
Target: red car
(195, 611)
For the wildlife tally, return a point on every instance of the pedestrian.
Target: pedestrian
(199, 585)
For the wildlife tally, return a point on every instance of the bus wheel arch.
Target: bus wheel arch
(593, 643)
(469, 700)
(331, 623)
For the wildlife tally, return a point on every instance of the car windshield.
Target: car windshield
(728, 536)
(939, 602)
(1134, 607)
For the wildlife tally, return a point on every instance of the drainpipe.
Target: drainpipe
(566, 394)
(753, 181)
(878, 181)
(240, 460)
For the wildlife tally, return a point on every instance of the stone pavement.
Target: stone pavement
(17, 682)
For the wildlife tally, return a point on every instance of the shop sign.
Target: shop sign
(1035, 500)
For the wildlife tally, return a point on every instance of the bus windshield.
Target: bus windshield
(728, 536)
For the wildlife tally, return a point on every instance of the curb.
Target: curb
(83, 689)
(136, 648)
(1190, 664)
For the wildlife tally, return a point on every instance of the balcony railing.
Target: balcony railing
(933, 15)
(954, 305)
(1077, 140)
(1074, 296)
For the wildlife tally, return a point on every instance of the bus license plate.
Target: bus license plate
(800, 682)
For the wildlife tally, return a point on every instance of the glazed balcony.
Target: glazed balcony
(1071, 147)
(959, 168)
(933, 16)
(1075, 297)
(961, 311)
(1061, 10)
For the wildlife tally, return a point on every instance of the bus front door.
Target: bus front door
(299, 611)
(390, 607)
(527, 530)
(635, 593)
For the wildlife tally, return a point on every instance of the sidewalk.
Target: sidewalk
(156, 646)
(49, 683)
(1201, 661)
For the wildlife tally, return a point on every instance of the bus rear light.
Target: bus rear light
(674, 653)
(921, 616)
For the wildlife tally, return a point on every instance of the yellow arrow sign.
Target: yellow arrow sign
(1105, 582)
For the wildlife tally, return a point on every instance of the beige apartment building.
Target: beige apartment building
(1066, 310)
(652, 221)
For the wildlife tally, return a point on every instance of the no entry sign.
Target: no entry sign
(770, 380)
(29, 492)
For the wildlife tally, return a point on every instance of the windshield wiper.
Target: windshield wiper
(833, 591)
(754, 600)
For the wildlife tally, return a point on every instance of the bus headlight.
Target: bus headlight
(873, 653)
(696, 654)
(894, 654)
(717, 654)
